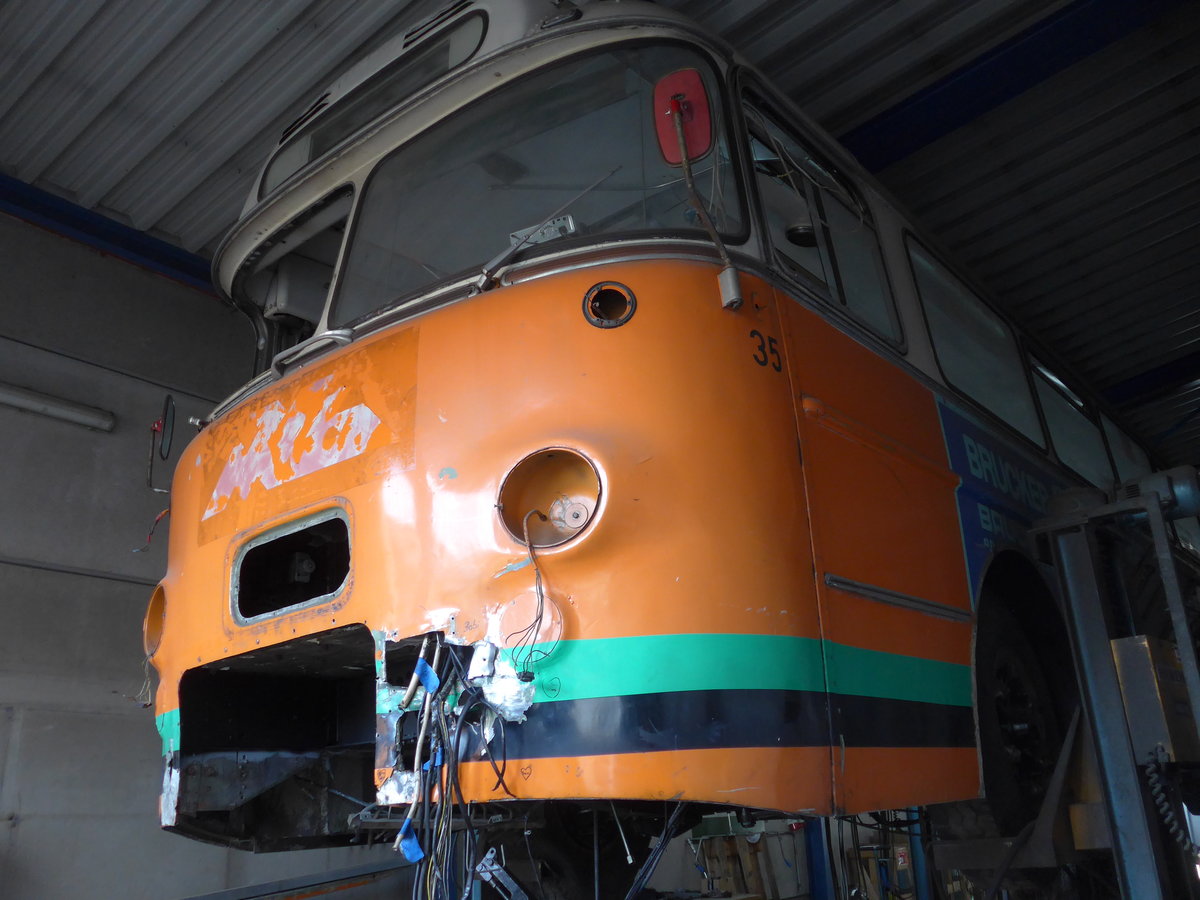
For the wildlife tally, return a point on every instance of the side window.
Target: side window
(788, 199)
(817, 226)
(975, 348)
(1131, 459)
(1076, 438)
(859, 262)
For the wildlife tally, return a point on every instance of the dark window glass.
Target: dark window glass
(568, 153)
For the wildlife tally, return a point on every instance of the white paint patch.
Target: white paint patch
(495, 629)
(507, 694)
(398, 500)
(283, 448)
(400, 789)
(170, 795)
(440, 619)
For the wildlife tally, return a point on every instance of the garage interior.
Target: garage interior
(1049, 147)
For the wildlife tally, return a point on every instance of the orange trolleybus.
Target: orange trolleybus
(617, 452)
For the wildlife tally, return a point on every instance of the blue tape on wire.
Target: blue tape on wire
(434, 762)
(409, 845)
(428, 677)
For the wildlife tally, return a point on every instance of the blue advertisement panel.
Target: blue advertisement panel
(1002, 488)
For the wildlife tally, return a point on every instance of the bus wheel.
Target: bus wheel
(1020, 736)
(1020, 730)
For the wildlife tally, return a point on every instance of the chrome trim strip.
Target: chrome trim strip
(894, 598)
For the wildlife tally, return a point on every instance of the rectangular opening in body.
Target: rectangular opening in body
(281, 570)
(277, 745)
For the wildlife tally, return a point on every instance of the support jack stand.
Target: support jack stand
(491, 872)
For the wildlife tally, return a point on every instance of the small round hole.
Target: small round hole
(609, 304)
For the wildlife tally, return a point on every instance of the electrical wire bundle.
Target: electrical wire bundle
(445, 854)
(428, 835)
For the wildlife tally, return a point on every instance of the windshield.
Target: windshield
(569, 153)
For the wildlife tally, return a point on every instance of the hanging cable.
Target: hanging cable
(525, 652)
(651, 863)
(150, 534)
(727, 281)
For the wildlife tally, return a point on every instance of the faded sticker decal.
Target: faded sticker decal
(287, 445)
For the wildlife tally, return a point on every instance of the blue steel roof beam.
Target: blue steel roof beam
(1157, 382)
(1073, 33)
(1080, 98)
(63, 217)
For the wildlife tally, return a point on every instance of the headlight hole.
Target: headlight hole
(558, 484)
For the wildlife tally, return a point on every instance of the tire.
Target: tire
(1020, 737)
(1020, 725)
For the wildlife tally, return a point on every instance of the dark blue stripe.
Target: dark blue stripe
(700, 720)
(56, 214)
(1061, 40)
(1154, 383)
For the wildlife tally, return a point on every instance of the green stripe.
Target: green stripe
(610, 667)
(871, 673)
(168, 729)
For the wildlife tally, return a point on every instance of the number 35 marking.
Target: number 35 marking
(767, 351)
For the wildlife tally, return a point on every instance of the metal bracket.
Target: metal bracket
(493, 873)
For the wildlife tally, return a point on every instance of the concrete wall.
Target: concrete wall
(80, 764)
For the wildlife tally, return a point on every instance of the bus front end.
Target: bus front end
(519, 532)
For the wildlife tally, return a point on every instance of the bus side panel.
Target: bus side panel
(886, 538)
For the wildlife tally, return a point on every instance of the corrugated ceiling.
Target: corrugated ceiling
(1076, 201)
(1078, 204)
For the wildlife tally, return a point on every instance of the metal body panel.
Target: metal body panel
(672, 596)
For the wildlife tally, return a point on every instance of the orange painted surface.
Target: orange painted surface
(883, 513)
(896, 777)
(881, 492)
(787, 779)
(703, 525)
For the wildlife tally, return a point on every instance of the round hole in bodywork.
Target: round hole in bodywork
(560, 484)
(152, 627)
(609, 304)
